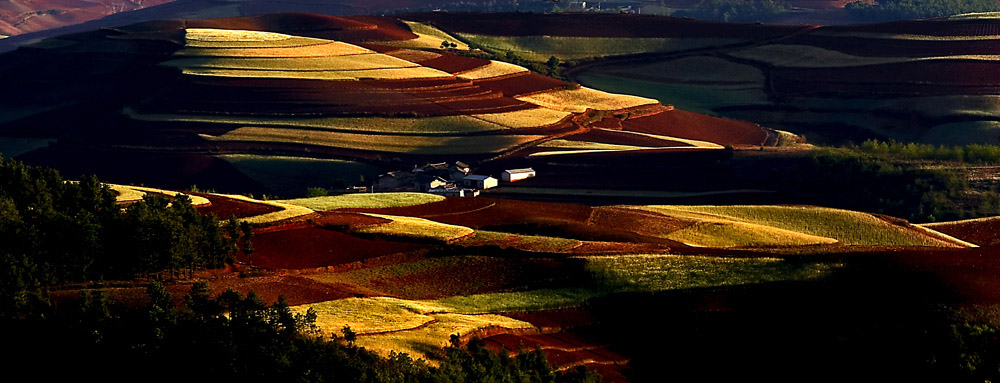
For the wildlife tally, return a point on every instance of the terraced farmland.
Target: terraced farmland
(905, 81)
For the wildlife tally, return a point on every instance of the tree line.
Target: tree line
(54, 231)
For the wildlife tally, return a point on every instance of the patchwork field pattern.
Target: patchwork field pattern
(816, 78)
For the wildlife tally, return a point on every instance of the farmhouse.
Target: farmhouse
(479, 182)
(459, 171)
(393, 180)
(513, 175)
(454, 191)
(428, 182)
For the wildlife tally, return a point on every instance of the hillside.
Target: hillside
(373, 90)
(910, 81)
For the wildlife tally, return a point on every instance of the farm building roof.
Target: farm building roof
(477, 177)
(519, 171)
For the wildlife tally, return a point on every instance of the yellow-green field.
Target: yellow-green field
(416, 228)
(726, 226)
(584, 145)
(365, 200)
(287, 211)
(127, 193)
(580, 99)
(355, 62)
(521, 241)
(526, 118)
(428, 37)
(433, 124)
(493, 69)
(330, 49)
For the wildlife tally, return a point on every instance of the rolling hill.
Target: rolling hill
(928, 81)
(371, 89)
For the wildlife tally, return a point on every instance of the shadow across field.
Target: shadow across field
(870, 321)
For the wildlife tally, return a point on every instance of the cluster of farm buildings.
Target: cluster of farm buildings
(448, 180)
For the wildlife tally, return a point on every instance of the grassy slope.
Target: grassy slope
(365, 200)
(848, 227)
(417, 228)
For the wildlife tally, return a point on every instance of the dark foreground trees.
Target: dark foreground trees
(54, 231)
(233, 337)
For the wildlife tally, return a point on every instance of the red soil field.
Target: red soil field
(610, 373)
(554, 319)
(615, 248)
(970, 275)
(454, 64)
(897, 47)
(523, 84)
(981, 232)
(389, 28)
(296, 289)
(18, 17)
(471, 275)
(224, 208)
(622, 138)
(511, 212)
(596, 25)
(695, 126)
(353, 29)
(608, 123)
(414, 84)
(609, 230)
(600, 225)
(565, 350)
(314, 247)
(336, 219)
(449, 206)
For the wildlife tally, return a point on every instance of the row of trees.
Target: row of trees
(54, 231)
(746, 11)
(974, 154)
(855, 179)
(231, 337)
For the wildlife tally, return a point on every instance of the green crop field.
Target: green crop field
(521, 242)
(692, 97)
(692, 69)
(291, 176)
(11, 147)
(540, 48)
